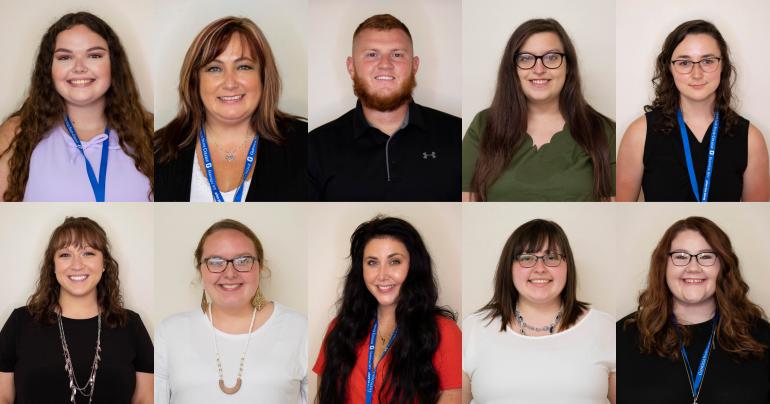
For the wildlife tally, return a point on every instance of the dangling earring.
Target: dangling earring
(204, 302)
(258, 301)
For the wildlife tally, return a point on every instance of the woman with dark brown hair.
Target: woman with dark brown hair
(229, 141)
(672, 152)
(695, 335)
(539, 140)
(535, 341)
(74, 342)
(83, 111)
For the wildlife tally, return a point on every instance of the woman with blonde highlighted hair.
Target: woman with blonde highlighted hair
(229, 141)
(695, 335)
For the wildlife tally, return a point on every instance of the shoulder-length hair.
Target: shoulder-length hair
(44, 108)
(80, 232)
(209, 44)
(411, 376)
(531, 237)
(738, 315)
(666, 93)
(506, 123)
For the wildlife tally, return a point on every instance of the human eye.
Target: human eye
(526, 258)
(526, 58)
(95, 56)
(63, 57)
(398, 54)
(371, 262)
(246, 67)
(215, 261)
(63, 254)
(213, 69)
(683, 63)
(245, 260)
(709, 61)
(551, 57)
(395, 261)
(370, 54)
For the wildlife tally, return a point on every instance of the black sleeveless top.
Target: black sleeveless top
(665, 175)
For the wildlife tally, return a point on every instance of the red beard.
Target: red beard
(384, 103)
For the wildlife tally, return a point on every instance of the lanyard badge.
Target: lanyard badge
(371, 369)
(98, 185)
(215, 193)
(696, 380)
(688, 156)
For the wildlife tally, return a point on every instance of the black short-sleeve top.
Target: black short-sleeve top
(666, 178)
(33, 353)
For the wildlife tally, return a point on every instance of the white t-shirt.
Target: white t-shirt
(200, 189)
(275, 370)
(570, 367)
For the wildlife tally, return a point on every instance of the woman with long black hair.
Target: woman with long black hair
(390, 342)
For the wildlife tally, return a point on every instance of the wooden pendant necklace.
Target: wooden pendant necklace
(222, 385)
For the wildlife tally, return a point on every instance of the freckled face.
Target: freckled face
(81, 66)
(386, 265)
(78, 270)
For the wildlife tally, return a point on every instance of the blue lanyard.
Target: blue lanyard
(696, 379)
(688, 156)
(97, 185)
(371, 370)
(210, 167)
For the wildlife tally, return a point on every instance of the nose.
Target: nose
(77, 262)
(540, 265)
(385, 62)
(539, 67)
(230, 271)
(697, 71)
(80, 66)
(693, 265)
(230, 80)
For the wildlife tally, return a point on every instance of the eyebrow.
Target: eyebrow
(240, 59)
(708, 55)
(705, 250)
(548, 51)
(389, 256)
(87, 50)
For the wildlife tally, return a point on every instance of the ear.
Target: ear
(415, 64)
(351, 67)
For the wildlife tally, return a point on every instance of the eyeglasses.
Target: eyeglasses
(682, 258)
(551, 60)
(241, 264)
(707, 65)
(529, 260)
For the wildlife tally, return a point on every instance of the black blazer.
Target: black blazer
(279, 176)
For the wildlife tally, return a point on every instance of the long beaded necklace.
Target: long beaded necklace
(222, 386)
(88, 389)
(550, 327)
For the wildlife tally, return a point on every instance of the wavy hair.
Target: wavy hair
(667, 95)
(411, 376)
(44, 108)
(80, 232)
(506, 124)
(738, 315)
(209, 44)
(531, 237)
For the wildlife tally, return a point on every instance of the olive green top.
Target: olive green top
(558, 171)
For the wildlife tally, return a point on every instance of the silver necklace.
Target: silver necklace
(230, 154)
(523, 324)
(222, 386)
(88, 389)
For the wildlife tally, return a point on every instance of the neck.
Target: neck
(227, 132)
(387, 122)
(543, 109)
(694, 313)
(231, 319)
(78, 307)
(538, 313)
(386, 317)
(88, 120)
(697, 110)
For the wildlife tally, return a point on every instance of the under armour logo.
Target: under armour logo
(426, 155)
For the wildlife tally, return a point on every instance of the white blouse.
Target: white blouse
(275, 370)
(570, 367)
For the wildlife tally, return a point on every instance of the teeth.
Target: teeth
(384, 78)
(230, 287)
(83, 81)
(539, 280)
(694, 280)
(78, 278)
(231, 98)
(383, 287)
(539, 81)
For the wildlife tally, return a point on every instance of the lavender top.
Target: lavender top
(57, 170)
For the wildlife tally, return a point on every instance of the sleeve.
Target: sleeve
(448, 358)
(8, 336)
(162, 387)
(318, 368)
(467, 358)
(470, 150)
(143, 362)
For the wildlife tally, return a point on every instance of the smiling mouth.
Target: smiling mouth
(229, 287)
(77, 278)
(385, 288)
(693, 281)
(231, 99)
(384, 78)
(539, 281)
(80, 82)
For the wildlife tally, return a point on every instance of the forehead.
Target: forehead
(689, 240)
(237, 47)
(382, 39)
(697, 45)
(386, 245)
(542, 42)
(226, 238)
(79, 37)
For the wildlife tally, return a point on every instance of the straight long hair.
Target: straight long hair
(507, 119)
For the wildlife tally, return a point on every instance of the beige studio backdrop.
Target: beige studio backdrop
(643, 26)
(436, 33)
(23, 24)
(329, 228)
(640, 227)
(280, 228)
(590, 229)
(488, 24)
(27, 227)
(177, 22)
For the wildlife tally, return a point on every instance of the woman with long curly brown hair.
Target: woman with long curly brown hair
(695, 335)
(672, 152)
(540, 140)
(229, 141)
(82, 112)
(74, 332)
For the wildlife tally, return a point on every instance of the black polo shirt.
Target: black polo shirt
(348, 160)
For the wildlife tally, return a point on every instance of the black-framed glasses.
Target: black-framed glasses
(551, 60)
(216, 265)
(707, 65)
(682, 258)
(549, 259)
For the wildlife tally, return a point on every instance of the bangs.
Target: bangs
(78, 235)
(217, 42)
(537, 235)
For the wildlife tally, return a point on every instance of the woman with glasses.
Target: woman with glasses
(539, 140)
(691, 145)
(696, 335)
(238, 347)
(535, 341)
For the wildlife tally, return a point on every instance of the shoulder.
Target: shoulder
(446, 325)
(756, 140)
(180, 321)
(761, 331)
(336, 127)
(599, 320)
(436, 115)
(290, 316)
(636, 134)
(626, 326)
(479, 320)
(8, 131)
